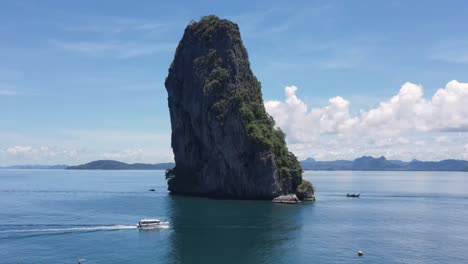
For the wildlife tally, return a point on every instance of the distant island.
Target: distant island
(117, 165)
(382, 164)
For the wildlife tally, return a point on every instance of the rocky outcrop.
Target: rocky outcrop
(305, 191)
(225, 144)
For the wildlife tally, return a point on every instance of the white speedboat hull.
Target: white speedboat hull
(152, 224)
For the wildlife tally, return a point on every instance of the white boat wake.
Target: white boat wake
(71, 229)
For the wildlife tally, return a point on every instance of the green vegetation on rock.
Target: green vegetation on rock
(261, 130)
(208, 24)
(248, 97)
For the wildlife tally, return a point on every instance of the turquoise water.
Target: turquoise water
(55, 216)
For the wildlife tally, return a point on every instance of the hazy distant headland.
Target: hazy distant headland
(366, 163)
(98, 165)
(36, 167)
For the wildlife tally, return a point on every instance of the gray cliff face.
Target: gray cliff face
(208, 82)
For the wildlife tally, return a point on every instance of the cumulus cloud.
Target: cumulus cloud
(18, 150)
(302, 124)
(74, 147)
(409, 110)
(385, 126)
(21, 155)
(42, 151)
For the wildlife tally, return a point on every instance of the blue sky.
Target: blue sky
(84, 80)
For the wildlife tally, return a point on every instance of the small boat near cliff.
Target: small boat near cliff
(353, 195)
(152, 223)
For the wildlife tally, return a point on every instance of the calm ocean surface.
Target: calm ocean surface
(58, 216)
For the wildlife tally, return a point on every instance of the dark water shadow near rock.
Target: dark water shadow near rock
(230, 231)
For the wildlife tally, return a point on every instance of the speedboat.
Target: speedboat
(353, 195)
(152, 223)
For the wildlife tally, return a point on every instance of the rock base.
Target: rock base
(287, 199)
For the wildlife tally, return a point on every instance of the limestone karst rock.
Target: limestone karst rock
(224, 142)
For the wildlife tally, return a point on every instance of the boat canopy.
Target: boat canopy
(149, 221)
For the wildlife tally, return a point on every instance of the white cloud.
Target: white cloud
(380, 130)
(22, 155)
(302, 125)
(136, 155)
(127, 155)
(74, 147)
(38, 153)
(18, 150)
(116, 136)
(441, 139)
(405, 111)
(409, 110)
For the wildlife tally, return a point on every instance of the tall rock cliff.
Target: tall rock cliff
(224, 142)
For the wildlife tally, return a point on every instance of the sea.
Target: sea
(69, 216)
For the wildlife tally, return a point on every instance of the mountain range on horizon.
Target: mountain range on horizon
(363, 163)
(382, 164)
